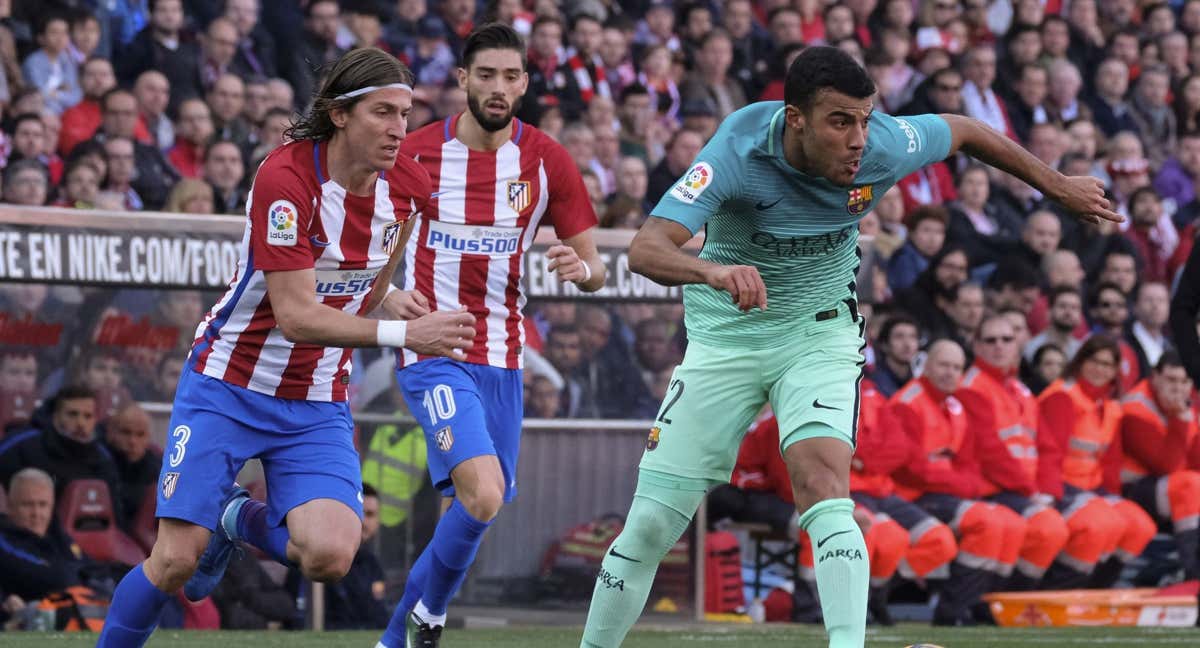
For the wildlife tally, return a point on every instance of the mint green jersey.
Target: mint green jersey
(800, 231)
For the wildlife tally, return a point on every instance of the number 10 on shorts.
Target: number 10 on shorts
(439, 403)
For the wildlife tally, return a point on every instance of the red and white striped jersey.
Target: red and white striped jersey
(485, 210)
(299, 218)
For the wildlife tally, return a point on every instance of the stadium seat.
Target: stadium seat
(86, 512)
(145, 525)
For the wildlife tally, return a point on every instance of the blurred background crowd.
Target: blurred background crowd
(170, 105)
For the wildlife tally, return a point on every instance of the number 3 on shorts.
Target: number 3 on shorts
(439, 403)
(181, 434)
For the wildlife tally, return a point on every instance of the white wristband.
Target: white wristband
(391, 333)
(587, 272)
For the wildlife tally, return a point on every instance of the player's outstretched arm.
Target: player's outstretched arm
(655, 253)
(1083, 195)
(304, 320)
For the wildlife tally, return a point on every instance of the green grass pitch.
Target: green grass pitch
(683, 637)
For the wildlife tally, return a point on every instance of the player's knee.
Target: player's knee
(172, 565)
(483, 502)
(326, 562)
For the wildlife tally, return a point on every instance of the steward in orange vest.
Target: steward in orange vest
(944, 479)
(1157, 429)
(1079, 459)
(1002, 414)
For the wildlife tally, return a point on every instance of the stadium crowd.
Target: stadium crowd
(171, 104)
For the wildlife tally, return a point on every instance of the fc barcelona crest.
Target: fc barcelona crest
(170, 481)
(652, 439)
(519, 194)
(391, 236)
(859, 199)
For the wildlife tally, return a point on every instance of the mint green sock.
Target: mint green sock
(843, 572)
(657, 518)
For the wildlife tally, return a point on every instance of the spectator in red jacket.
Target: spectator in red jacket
(945, 479)
(1079, 459)
(1157, 426)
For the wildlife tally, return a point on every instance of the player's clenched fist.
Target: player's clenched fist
(442, 333)
(742, 282)
(565, 262)
(405, 305)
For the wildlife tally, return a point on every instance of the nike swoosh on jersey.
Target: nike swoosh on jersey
(761, 207)
(817, 404)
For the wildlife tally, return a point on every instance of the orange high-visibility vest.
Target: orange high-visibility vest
(871, 401)
(943, 428)
(1096, 426)
(1016, 414)
(1140, 404)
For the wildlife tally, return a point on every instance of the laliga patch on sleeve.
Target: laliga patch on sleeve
(693, 183)
(281, 224)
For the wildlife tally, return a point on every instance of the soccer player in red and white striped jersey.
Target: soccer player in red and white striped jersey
(495, 180)
(267, 374)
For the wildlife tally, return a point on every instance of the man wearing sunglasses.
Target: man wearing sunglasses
(1003, 414)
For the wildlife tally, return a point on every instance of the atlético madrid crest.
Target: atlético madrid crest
(169, 482)
(519, 195)
(391, 236)
(859, 199)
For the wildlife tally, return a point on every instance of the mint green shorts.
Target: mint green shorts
(811, 382)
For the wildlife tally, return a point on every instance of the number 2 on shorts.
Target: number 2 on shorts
(662, 418)
(439, 402)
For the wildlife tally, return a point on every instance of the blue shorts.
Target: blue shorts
(467, 410)
(306, 448)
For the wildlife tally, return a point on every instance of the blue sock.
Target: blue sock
(393, 636)
(454, 543)
(134, 613)
(253, 529)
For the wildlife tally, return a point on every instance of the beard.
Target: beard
(488, 122)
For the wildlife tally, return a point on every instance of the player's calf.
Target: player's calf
(819, 469)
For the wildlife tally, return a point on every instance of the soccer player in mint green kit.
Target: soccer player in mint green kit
(779, 191)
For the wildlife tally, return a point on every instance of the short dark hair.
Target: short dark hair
(313, 3)
(1094, 297)
(43, 23)
(27, 117)
(897, 319)
(819, 68)
(1169, 358)
(1012, 274)
(70, 392)
(369, 490)
(1059, 291)
(496, 36)
(212, 144)
(107, 96)
(927, 212)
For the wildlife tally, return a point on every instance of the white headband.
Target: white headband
(362, 91)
